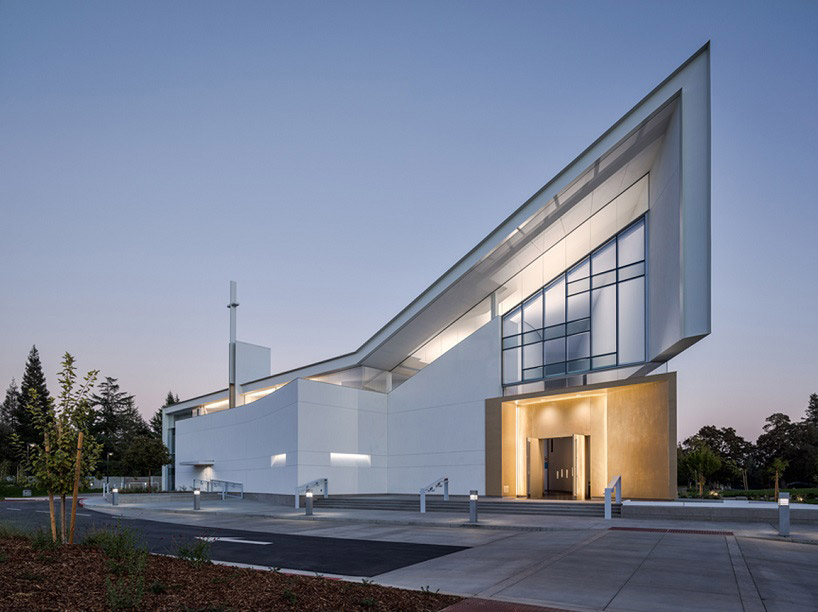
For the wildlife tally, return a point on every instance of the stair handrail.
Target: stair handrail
(318, 483)
(205, 486)
(443, 481)
(226, 485)
(614, 486)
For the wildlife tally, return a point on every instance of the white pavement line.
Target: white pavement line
(284, 570)
(512, 580)
(236, 540)
(14, 509)
(747, 589)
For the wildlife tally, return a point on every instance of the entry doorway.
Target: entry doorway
(558, 468)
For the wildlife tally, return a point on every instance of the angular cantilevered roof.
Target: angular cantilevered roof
(614, 160)
(472, 278)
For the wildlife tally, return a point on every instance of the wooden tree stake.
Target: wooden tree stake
(76, 488)
(50, 492)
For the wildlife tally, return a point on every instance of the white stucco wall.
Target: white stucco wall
(336, 419)
(307, 421)
(436, 419)
(241, 443)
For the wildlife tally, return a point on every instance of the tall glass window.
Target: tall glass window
(591, 317)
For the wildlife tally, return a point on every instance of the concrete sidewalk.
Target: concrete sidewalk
(561, 562)
(254, 510)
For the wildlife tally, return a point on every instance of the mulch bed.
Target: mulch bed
(74, 578)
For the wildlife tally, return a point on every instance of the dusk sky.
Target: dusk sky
(336, 158)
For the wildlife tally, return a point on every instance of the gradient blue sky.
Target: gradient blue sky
(336, 158)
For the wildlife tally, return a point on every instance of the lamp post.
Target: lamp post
(28, 447)
(473, 506)
(308, 495)
(108, 467)
(197, 499)
(115, 497)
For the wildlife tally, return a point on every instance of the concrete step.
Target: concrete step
(584, 509)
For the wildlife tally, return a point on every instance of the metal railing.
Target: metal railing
(227, 489)
(319, 484)
(430, 488)
(614, 486)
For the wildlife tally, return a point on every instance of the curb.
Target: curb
(360, 521)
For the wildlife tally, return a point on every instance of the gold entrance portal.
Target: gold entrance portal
(569, 444)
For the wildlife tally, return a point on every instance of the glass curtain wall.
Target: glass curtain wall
(589, 318)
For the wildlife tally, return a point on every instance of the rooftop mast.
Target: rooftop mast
(231, 394)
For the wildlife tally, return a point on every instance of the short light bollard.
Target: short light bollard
(784, 514)
(114, 497)
(197, 499)
(308, 495)
(472, 506)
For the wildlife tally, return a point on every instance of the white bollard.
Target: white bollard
(783, 514)
(308, 494)
(473, 506)
(115, 497)
(197, 499)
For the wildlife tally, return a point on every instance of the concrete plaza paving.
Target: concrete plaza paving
(555, 561)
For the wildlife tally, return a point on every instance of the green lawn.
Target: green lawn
(13, 490)
(809, 496)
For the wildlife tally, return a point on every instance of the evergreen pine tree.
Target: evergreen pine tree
(33, 380)
(156, 423)
(156, 420)
(8, 424)
(812, 410)
(116, 418)
(132, 423)
(10, 406)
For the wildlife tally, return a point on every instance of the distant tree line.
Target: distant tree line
(786, 453)
(130, 446)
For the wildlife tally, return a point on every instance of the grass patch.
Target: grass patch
(10, 531)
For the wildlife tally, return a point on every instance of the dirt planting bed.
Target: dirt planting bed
(82, 578)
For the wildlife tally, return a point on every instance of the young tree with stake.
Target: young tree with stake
(64, 453)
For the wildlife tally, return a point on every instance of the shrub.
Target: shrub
(126, 555)
(126, 560)
(157, 588)
(196, 552)
(124, 593)
(42, 540)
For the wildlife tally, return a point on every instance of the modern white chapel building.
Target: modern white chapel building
(535, 366)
